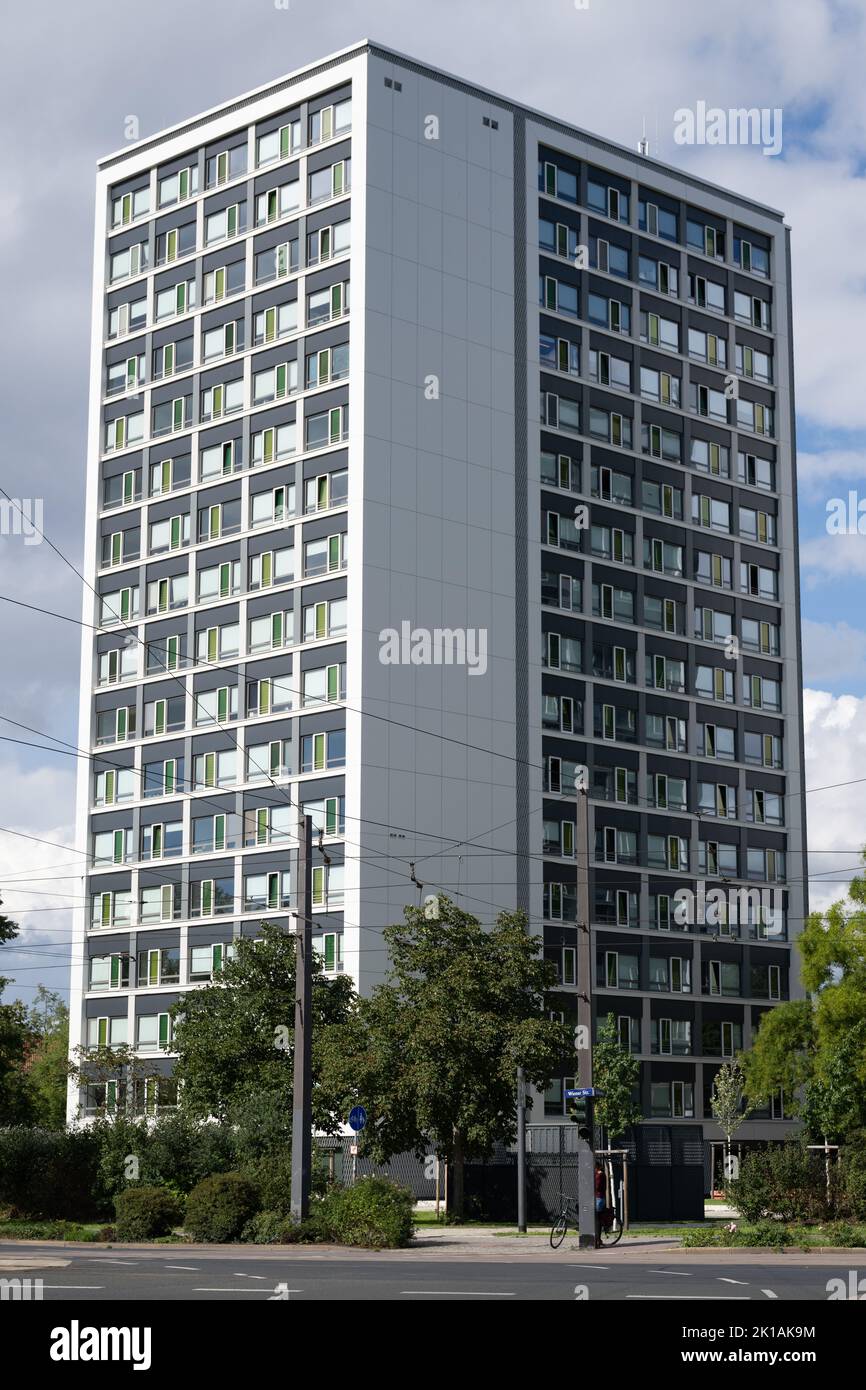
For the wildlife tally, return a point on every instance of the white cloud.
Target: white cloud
(833, 557)
(835, 738)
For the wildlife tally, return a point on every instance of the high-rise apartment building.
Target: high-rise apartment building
(438, 450)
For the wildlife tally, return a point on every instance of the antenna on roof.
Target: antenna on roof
(643, 143)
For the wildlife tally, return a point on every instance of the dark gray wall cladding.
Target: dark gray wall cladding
(521, 532)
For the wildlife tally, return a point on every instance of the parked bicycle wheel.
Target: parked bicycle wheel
(611, 1227)
(558, 1230)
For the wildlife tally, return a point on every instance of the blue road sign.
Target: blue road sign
(583, 1093)
(357, 1118)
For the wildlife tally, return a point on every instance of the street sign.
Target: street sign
(357, 1118)
(583, 1093)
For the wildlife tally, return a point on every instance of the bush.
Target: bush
(145, 1212)
(181, 1152)
(219, 1208)
(50, 1173)
(772, 1233)
(705, 1235)
(850, 1182)
(784, 1181)
(374, 1212)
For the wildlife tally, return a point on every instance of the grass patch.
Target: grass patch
(775, 1235)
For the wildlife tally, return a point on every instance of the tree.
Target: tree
(783, 1055)
(834, 1101)
(234, 1038)
(15, 1038)
(728, 1103)
(433, 1052)
(616, 1072)
(800, 1044)
(46, 1065)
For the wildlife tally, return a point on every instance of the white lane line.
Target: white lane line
(457, 1293)
(691, 1297)
(106, 1260)
(191, 1269)
(249, 1276)
(73, 1286)
(769, 1293)
(680, 1273)
(578, 1264)
(744, 1282)
(235, 1289)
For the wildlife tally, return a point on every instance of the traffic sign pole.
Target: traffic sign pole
(357, 1121)
(585, 975)
(302, 1107)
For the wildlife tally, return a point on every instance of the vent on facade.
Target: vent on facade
(397, 86)
(485, 120)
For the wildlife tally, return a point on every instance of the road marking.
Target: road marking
(192, 1269)
(578, 1264)
(458, 1293)
(107, 1260)
(769, 1293)
(249, 1276)
(719, 1297)
(744, 1282)
(73, 1286)
(680, 1273)
(235, 1289)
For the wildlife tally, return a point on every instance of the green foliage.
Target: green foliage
(783, 1181)
(16, 1036)
(47, 1065)
(817, 1046)
(701, 1236)
(850, 1178)
(233, 1038)
(616, 1071)
(219, 1208)
(726, 1099)
(783, 1055)
(374, 1213)
(47, 1173)
(266, 1228)
(55, 1230)
(120, 1139)
(433, 1052)
(146, 1212)
(179, 1152)
(834, 1103)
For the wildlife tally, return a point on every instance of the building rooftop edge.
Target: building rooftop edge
(366, 45)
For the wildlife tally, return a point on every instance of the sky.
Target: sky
(70, 79)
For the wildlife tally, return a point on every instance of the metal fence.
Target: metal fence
(668, 1168)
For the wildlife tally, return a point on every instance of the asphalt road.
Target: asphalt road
(179, 1274)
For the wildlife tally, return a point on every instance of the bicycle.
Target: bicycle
(609, 1229)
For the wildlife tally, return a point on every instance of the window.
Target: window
(320, 752)
(328, 428)
(277, 262)
(331, 182)
(271, 324)
(278, 144)
(324, 684)
(326, 555)
(659, 331)
(327, 304)
(278, 202)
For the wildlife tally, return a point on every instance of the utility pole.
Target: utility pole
(302, 1107)
(583, 1039)
(521, 1151)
